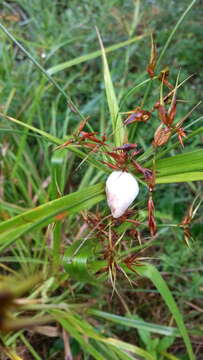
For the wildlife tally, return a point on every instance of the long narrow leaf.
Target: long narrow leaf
(73, 331)
(186, 162)
(138, 324)
(76, 263)
(184, 177)
(42, 215)
(86, 329)
(43, 71)
(55, 140)
(93, 55)
(180, 168)
(129, 347)
(153, 274)
(117, 124)
(175, 29)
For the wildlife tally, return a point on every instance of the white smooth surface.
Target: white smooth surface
(121, 190)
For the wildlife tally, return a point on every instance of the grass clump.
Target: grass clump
(74, 280)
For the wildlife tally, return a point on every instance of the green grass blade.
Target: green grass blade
(76, 333)
(129, 348)
(174, 30)
(42, 215)
(184, 177)
(177, 144)
(106, 351)
(37, 64)
(75, 262)
(30, 114)
(137, 324)
(117, 123)
(123, 355)
(93, 55)
(87, 330)
(182, 163)
(57, 141)
(153, 274)
(30, 348)
(180, 168)
(43, 133)
(134, 89)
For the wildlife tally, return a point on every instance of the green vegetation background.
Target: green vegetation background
(58, 31)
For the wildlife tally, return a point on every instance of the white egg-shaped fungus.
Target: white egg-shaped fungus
(121, 190)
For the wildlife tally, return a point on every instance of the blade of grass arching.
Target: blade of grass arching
(193, 122)
(93, 55)
(129, 348)
(174, 31)
(184, 167)
(123, 355)
(60, 171)
(45, 214)
(117, 123)
(43, 133)
(12, 338)
(107, 352)
(191, 162)
(137, 324)
(153, 274)
(43, 71)
(55, 140)
(41, 216)
(87, 330)
(75, 333)
(76, 264)
(181, 163)
(184, 177)
(13, 208)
